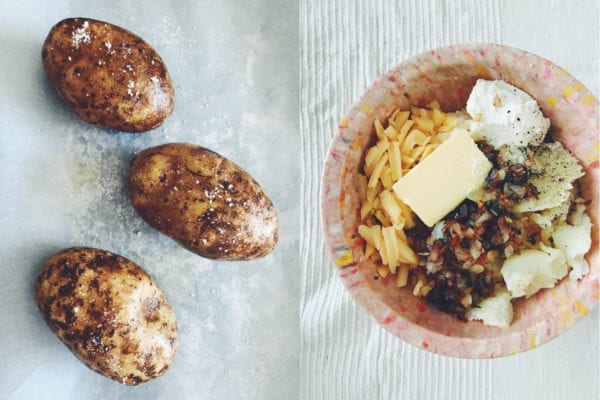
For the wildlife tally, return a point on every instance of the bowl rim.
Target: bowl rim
(340, 253)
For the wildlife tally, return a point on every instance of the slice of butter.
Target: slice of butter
(438, 184)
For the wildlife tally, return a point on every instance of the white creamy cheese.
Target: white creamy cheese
(549, 216)
(505, 116)
(444, 179)
(574, 241)
(578, 216)
(493, 311)
(532, 270)
(555, 170)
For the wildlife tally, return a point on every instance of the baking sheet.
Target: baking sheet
(234, 67)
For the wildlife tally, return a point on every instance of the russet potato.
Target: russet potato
(109, 313)
(204, 201)
(109, 76)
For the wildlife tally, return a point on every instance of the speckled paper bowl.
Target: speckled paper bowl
(448, 74)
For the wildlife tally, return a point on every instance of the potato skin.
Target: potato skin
(109, 76)
(202, 200)
(109, 313)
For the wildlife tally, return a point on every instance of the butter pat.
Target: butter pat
(438, 184)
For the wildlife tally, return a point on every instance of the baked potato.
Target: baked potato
(109, 313)
(110, 77)
(202, 200)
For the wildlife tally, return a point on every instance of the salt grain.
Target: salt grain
(81, 35)
(130, 86)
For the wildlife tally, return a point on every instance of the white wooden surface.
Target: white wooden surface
(344, 46)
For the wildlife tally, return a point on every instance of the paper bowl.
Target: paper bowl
(447, 75)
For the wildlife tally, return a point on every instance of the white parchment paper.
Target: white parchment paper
(62, 183)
